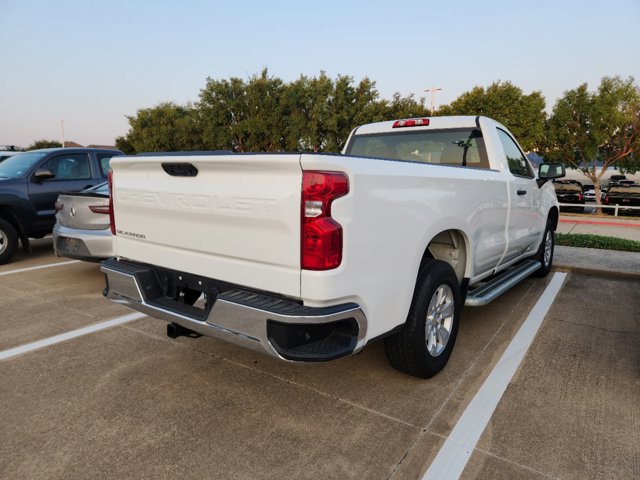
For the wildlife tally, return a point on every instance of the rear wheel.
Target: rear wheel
(8, 241)
(424, 344)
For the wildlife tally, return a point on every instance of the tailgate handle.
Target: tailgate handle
(521, 192)
(180, 169)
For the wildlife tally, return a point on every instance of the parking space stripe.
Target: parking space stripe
(461, 442)
(63, 337)
(28, 269)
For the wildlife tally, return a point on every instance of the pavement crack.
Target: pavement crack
(595, 327)
(525, 467)
(466, 374)
(279, 378)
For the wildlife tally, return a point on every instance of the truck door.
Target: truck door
(525, 220)
(72, 173)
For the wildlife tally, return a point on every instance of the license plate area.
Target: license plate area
(69, 245)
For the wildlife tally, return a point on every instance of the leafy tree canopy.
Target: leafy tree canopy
(522, 114)
(163, 128)
(263, 113)
(588, 129)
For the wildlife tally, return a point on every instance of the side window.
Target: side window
(103, 161)
(73, 166)
(518, 164)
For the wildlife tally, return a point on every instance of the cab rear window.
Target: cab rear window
(455, 147)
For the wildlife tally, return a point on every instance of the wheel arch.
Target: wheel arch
(450, 246)
(9, 215)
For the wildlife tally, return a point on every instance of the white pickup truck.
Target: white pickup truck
(310, 257)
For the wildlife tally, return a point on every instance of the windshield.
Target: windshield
(19, 165)
(457, 147)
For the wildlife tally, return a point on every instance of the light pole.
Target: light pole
(433, 91)
(62, 131)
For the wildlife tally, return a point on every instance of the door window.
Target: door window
(103, 161)
(72, 166)
(518, 163)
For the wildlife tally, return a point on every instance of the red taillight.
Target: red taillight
(100, 209)
(321, 235)
(411, 122)
(58, 206)
(112, 220)
(580, 197)
(606, 199)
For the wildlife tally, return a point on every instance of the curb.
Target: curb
(561, 267)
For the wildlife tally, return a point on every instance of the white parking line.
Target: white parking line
(457, 449)
(29, 347)
(49, 265)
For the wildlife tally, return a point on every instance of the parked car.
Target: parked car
(30, 183)
(588, 192)
(4, 154)
(626, 183)
(615, 179)
(82, 225)
(310, 257)
(627, 195)
(570, 191)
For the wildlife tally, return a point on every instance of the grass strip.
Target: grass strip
(587, 240)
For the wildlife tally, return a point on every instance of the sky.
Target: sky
(93, 63)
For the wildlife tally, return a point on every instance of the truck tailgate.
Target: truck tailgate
(237, 220)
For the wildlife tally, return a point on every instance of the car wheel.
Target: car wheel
(424, 344)
(8, 241)
(545, 251)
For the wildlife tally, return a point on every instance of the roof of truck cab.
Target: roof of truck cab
(461, 121)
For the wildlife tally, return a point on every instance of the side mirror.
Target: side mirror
(548, 171)
(43, 174)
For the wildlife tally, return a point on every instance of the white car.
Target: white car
(310, 257)
(82, 225)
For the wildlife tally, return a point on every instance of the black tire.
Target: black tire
(408, 350)
(549, 236)
(8, 241)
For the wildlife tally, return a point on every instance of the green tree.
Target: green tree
(522, 114)
(266, 114)
(602, 127)
(307, 101)
(123, 144)
(630, 164)
(243, 116)
(263, 113)
(44, 144)
(164, 128)
(402, 107)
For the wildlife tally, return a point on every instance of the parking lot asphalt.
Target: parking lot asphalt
(128, 402)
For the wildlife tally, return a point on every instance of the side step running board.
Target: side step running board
(495, 287)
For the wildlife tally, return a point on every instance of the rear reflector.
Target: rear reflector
(321, 235)
(112, 219)
(411, 122)
(100, 209)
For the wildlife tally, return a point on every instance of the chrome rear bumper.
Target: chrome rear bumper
(268, 324)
